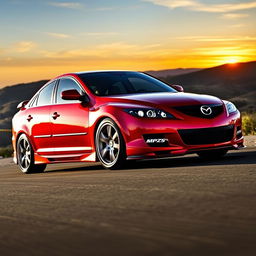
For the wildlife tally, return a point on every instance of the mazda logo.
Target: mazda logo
(206, 110)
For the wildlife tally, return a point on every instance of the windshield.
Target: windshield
(120, 82)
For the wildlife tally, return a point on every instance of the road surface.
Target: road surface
(177, 206)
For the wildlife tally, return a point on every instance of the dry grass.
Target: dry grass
(249, 123)
(6, 151)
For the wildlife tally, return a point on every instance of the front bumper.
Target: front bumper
(179, 137)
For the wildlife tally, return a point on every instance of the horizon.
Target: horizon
(44, 39)
(48, 79)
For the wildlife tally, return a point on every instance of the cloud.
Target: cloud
(24, 46)
(225, 51)
(216, 38)
(58, 35)
(70, 5)
(105, 9)
(114, 50)
(234, 15)
(240, 25)
(99, 34)
(198, 6)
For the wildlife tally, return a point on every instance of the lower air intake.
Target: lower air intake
(207, 135)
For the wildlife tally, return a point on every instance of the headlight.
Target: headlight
(149, 113)
(231, 108)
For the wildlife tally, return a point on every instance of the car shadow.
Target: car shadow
(232, 158)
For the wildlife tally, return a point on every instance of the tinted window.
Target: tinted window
(33, 101)
(118, 82)
(67, 84)
(45, 95)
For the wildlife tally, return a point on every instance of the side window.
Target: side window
(45, 96)
(33, 101)
(67, 84)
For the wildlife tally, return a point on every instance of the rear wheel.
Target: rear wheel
(25, 157)
(110, 145)
(212, 154)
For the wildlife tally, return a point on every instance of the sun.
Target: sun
(232, 61)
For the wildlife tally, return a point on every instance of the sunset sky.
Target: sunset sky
(41, 39)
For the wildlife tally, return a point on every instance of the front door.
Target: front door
(69, 122)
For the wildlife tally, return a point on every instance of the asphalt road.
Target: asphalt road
(177, 206)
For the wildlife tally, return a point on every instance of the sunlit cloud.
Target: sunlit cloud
(198, 6)
(24, 46)
(102, 50)
(1, 51)
(71, 5)
(216, 38)
(234, 15)
(239, 25)
(58, 35)
(225, 51)
(100, 34)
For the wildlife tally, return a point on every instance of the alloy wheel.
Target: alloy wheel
(24, 153)
(108, 144)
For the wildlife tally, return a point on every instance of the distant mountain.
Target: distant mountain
(171, 72)
(235, 82)
(10, 97)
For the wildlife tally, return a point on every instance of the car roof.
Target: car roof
(101, 71)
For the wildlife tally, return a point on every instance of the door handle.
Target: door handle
(29, 118)
(55, 115)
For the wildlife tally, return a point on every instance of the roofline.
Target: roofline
(98, 71)
(75, 74)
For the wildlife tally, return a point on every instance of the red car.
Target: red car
(114, 116)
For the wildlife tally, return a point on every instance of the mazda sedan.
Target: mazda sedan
(115, 116)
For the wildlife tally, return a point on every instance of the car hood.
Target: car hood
(167, 99)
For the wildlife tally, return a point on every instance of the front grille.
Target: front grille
(207, 135)
(194, 110)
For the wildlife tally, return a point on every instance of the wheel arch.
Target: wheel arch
(97, 123)
(28, 137)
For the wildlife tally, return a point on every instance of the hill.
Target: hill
(235, 82)
(10, 97)
(171, 72)
(231, 82)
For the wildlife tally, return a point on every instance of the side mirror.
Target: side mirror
(74, 95)
(22, 104)
(177, 87)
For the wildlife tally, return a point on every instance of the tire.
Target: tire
(110, 145)
(213, 154)
(25, 157)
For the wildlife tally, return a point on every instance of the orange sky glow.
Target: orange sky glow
(45, 39)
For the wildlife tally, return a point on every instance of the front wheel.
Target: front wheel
(110, 145)
(213, 154)
(25, 157)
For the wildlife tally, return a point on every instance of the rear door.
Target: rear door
(69, 121)
(38, 119)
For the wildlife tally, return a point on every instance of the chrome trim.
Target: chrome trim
(62, 156)
(42, 136)
(63, 149)
(69, 134)
(61, 135)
